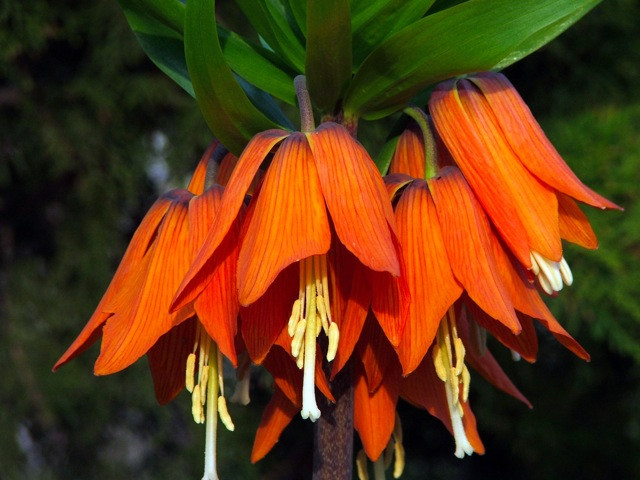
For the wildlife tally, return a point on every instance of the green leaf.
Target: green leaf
(473, 36)
(383, 160)
(226, 108)
(299, 12)
(271, 20)
(167, 12)
(257, 65)
(373, 21)
(328, 63)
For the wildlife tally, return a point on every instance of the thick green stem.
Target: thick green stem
(307, 123)
(430, 151)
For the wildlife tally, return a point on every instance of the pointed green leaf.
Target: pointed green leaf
(167, 12)
(270, 19)
(373, 21)
(328, 63)
(257, 65)
(473, 36)
(299, 11)
(226, 108)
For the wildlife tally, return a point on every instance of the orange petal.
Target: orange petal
(355, 196)
(142, 310)
(217, 305)
(275, 418)
(228, 163)
(196, 185)
(487, 365)
(349, 274)
(409, 155)
(289, 222)
(168, 360)
(253, 155)
(374, 413)
(574, 225)
(375, 353)
(529, 141)
(432, 286)
(465, 231)
(130, 261)
(535, 203)
(264, 319)
(395, 182)
(470, 152)
(563, 336)
(525, 342)
(471, 429)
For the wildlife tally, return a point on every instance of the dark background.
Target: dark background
(91, 132)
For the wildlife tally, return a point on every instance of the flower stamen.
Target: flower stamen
(551, 275)
(310, 315)
(448, 359)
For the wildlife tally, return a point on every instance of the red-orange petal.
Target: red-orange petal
(409, 156)
(253, 155)
(196, 185)
(460, 136)
(275, 418)
(534, 202)
(487, 365)
(395, 182)
(130, 261)
(289, 222)
(376, 354)
(465, 231)
(141, 313)
(264, 319)
(356, 197)
(168, 360)
(217, 305)
(374, 413)
(574, 225)
(432, 285)
(529, 141)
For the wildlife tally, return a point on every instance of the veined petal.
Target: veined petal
(136, 250)
(534, 202)
(395, 182)
(525, 342)
(376, 354)
(374, 413)
(142, 313)
(248, 163)
(275, 418)
(355, 196)
(349, 282)
(264, 319)
(526, 137)
(167, 360)
(487, 365)
(574, 225)
(217, 305)
(409, 156)
(432, 285)
(460, 136)
(228, 163)
(465, 231)
(196, 185)
(289, 222)
(390, 303)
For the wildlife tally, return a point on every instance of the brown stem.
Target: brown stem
(333, 432)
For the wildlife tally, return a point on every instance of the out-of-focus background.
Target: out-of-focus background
(91, 132)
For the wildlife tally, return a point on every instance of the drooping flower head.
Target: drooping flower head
(521, 181)
(321, 188)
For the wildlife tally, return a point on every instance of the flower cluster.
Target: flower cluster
(329, 265)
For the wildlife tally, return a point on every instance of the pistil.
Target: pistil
(310, 315)
(448, 359)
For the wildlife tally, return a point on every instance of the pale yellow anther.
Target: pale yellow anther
(455, 385)
(196, 406)
(438, 361)
(300, 358)
(398, 465)
(334, 339)
(361, 465)
(204, 381)
(190, 373)
(459, 349)
(466, 382)
(295, 317)
(298, 337)
(323, 314)
(223, 411)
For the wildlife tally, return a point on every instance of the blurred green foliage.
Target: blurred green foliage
(90, 132)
